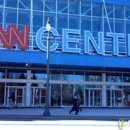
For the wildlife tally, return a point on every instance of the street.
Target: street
(60, 124)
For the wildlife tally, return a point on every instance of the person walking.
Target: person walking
(75, 105)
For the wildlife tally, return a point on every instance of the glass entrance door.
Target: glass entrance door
(19, 95)
(38, 96)
(114, 97)
(93, 97)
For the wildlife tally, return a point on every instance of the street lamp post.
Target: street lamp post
(47, 112)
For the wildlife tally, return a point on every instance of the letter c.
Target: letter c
(39, 42)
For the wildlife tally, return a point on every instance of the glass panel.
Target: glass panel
(43, 94)
(74, 8)
(11, 3)
(118, 98)
(67, 94)
(62, 6)
(38, 76)
(85, 24)
(127, 27)
(78, 77)
(24, 4)
(87, 97)
(11, 16)
(68, 77)
(1, 2)
(1, 16)
(110, 11)
(37, 20)
(62, 22)
(2, 75)
(85, 8)
(50, 5)
(79, 89)
(119, 26)
(127, 13)
(16, 75)
(126, 95)
(112, 78)
(37, 5)
(23, 18)
(106, 25)
(74, 22)
(93, 77)
(56, 76)
(97, 10)
(126, 78)
(108, 98)
(19, 96)
(97, 98)
(119, 12)
(2, 90)
(55, 95)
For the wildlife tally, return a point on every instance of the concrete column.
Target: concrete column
(28, 90)
(104, 90)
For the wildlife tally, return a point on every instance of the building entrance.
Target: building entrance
(38, 96)
(19, 95)
(93, 97)
(114, 97)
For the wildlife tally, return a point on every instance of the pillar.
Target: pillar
(103, 90)
(28, 90)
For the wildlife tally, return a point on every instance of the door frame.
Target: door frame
(7, 92)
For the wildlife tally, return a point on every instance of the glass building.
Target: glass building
(89, 53)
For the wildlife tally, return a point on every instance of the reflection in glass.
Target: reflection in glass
(93, 77)
(55, 95)
(68, 77)
(67, 94)
(79, 89)
(114, 78)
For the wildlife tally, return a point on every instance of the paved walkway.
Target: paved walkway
(63, 113)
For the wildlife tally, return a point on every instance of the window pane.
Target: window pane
(50, 5)
(97, 10)
(37, 5)
(1, 2)
(74, 22)
(23, 17)
(11, 3)
(11, 16)
(85, 8)
(119, 12)
(110, 11)
(62, 6)
(119, 26)
(74, 7)
(24, 4)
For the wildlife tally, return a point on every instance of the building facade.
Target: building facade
(89, 52)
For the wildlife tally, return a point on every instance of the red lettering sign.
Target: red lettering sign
(13, 34)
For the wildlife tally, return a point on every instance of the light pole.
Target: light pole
(47, 112)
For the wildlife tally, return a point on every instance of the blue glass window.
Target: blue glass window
(127, 13)
(11, 16)
(50, 5)
(119, 26)
(1, 2)
(114, 78)
(11, 3)
(38, 5)
(37, 20)
(62, 6)
(97, 10)
(24, 4)
(1, 16)
(74, 22)
(109, 10)
(23, 18)
(119, 12)
(74, 7)
(85, 8)
(62, 22)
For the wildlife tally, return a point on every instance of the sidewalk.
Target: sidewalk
(63, 114)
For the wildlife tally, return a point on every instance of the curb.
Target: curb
(57, 117)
